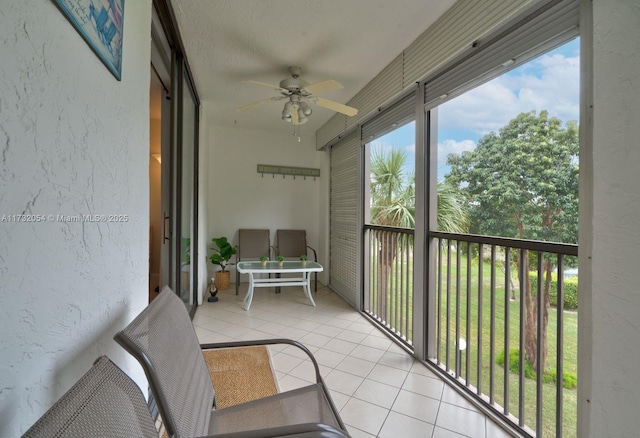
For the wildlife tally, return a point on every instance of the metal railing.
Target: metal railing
(490, 337)
(388, 282)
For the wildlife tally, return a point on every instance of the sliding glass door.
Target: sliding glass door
(179, 160)
(187, 178)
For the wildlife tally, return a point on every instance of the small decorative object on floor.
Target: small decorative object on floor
(280, 261)
(213, 290)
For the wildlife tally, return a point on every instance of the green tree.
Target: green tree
(523, 182)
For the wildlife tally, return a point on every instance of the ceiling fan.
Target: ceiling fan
(298, 94)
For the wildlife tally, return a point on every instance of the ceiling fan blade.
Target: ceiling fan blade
(321, 87)
(274, 87)
(255, 104)
(335, 106)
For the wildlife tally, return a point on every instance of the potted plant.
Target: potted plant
(303, 259)
(280, 261)
(222, 253)
(264, 260)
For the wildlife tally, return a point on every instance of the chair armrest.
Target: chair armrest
(315, 256)
(307, 430)
(267, 342)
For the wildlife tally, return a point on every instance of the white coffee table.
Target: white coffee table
(272, 267)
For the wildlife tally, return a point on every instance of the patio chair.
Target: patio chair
(163, 340)
(293, 243)
(252, 244)
(105, 402)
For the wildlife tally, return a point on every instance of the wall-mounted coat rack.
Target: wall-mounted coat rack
(304, 172)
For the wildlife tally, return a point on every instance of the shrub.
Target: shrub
(570, 290)
(514, 363)
(569, 379)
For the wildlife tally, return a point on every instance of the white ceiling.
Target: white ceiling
(350, 41)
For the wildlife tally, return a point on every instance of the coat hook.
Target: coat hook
(282, 176)
(273, 175)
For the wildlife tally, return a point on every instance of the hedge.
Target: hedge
(570, 290)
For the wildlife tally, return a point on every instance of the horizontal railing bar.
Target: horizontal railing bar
(391, 229)
(534, 245)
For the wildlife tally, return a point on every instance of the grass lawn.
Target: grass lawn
(480, 310)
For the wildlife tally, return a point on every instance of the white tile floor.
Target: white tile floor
(380, 390)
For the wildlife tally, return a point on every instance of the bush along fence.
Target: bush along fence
(570, 290)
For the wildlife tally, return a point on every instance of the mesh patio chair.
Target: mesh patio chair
(252, 244)
(293, 243)
(163, 340)
(105, 402)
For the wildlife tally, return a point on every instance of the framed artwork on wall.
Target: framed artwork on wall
(100, 22)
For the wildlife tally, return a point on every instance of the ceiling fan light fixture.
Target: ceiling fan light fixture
(302, 117)
(305, 108)
(287, 112)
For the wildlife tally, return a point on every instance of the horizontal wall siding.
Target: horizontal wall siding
(386, 85)
(465, 22)
(335, 126)
(538, 32)
(389, 119)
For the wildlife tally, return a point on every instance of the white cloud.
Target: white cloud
(453, 147)
(549, 82)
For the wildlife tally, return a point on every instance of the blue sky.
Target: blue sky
(550, 82)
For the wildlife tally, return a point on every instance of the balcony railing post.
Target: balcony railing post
(507, 325)
(560, 346)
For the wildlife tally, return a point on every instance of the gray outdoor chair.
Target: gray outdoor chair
(252, 244)
(163, 340)
(293, 243)
(105, 402)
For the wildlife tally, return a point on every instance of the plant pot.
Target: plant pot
(304, 263)
(280, 264)
(222, 280)
(263, 263)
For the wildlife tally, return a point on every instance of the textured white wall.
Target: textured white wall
(73, 140)
(239, 197)
(610, 321)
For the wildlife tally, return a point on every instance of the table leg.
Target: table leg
(307, 287)
(249, 297)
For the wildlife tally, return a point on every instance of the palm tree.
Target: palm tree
(392, 190)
